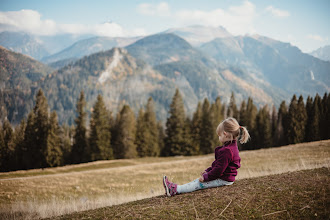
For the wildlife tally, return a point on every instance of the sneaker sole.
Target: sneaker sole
(166, 187)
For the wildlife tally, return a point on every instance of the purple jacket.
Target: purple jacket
(226, 163)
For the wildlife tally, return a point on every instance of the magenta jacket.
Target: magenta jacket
(226, 163)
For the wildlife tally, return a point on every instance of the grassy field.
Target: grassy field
(294, 195)
(57, 191)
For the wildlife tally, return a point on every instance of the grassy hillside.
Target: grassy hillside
(295, 195)
(61, 190)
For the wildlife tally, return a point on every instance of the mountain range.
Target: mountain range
(202, 62)
(322, 53)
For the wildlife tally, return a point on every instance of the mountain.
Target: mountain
(88, 46)
(23, 43)
(277, 63)
(198, 34)
(19, 77)
(115, 74)
(192, 69)
(323, 53)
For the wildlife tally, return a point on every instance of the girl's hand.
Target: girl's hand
(203, 172)
(201, 179)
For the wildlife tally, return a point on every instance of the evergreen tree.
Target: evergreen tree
(324, 126)
(2, 150)
(29, 151)
(8, 148)
(151, 122)
(100, 137)
(263, 128)
(174, 139)
(315, 120)
(327, 119)
(19, 143)
(293, 121)
(232, 108)
(141, 135)
(66, 136)
(301, 116)
(309, 111)
(281, 133)
(41, 130)
(251, 112)
(79, 152)
(125, 146)
(161, 137)
(207, 131)
(188, 148)
(274, 126)
(216, 117)
(195, 128)
(53, 153)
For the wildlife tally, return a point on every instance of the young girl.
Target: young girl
(224, 168)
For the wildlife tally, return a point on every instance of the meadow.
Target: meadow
(57, 191)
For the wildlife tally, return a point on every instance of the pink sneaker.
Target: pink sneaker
(170, 188)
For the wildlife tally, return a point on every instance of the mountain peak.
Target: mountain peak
(198, 34)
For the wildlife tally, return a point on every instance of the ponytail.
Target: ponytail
(245, 136)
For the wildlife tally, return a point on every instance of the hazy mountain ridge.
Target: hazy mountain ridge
(267, 70)
(322, 53)
(89, 46)
(23, 43)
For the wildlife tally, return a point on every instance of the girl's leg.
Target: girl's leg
(196, 185)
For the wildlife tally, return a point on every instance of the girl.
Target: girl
(224, 168)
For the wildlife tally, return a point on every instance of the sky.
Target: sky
(303, 23)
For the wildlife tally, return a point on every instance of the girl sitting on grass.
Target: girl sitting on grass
(224, 168)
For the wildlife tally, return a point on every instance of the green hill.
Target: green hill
(295, 195)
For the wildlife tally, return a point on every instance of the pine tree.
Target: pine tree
(315, 120)
(324, 127)
(232, 108)
(161, 138)
(19, 143)
(251, 112)
(2, 150)
(66, 137)
(282, 121)
(41, 129)
(263, 128)
(100, 136)
(195, 128)
(79, 152)
(125, 146)
(174, 139)
(53, 152)
(274, 124)
(301, 116)
(29, 151)
(141, 135)
(293, 121)
(8, 148)
(207, 130)
(328, 118)
(151, 122)
(216, 117)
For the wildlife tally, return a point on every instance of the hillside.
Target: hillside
(19, 77)
(61, 190)
(263, 197)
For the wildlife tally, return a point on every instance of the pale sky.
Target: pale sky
(303, 23)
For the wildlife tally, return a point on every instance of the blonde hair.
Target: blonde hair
(231, 126)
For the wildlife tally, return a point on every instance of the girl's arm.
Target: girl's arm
(220, 166)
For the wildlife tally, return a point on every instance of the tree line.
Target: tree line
(40, 142)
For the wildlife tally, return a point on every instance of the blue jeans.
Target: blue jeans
(196, 185)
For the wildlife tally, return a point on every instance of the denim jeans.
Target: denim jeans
(196, 185)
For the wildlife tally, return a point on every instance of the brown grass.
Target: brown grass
(106, 183)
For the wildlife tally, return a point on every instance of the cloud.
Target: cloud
(277, 12)
(161, 9)
(315, 37)
(237, 19)
(31, 21)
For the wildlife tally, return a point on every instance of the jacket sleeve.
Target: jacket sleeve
(220, 166)
(208, 169)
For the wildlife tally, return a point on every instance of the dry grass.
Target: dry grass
(106, 183)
